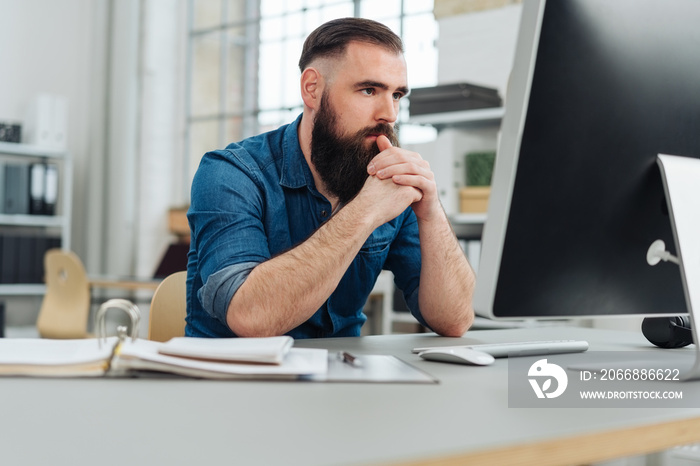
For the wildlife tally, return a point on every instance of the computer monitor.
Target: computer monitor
(598, 89)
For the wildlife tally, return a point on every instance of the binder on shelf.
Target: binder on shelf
(40, 247)
(16, 185)
(46, 124)
(60, 122)
(22, 257)
(50, 189)
(10, 258)
(2, 187)
(31, 255)
(25, 258)
(37, 188)
(43, 188)
(2, 319)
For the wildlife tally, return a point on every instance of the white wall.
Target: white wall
(120, 63)
(143, 150)
(479, 47)
(161, 163)
(48, 47)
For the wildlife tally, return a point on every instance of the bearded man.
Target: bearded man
(291, 228)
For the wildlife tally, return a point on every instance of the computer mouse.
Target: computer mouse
(458, 356)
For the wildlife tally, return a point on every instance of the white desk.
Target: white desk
(464, 419)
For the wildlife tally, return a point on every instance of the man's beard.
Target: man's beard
(341, 161)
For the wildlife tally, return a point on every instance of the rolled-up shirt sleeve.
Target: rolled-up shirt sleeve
(218, 291)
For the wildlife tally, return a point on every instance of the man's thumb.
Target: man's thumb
(383, 143)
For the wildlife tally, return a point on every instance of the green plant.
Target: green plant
(479, 167)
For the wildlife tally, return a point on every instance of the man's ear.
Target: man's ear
(311, 87)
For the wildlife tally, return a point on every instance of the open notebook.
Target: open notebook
(229, 358)
(213, 359)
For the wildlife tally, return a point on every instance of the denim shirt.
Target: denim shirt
(257, 199)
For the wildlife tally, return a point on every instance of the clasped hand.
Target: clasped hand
(400, 178)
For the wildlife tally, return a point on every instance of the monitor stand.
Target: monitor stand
(681, 178)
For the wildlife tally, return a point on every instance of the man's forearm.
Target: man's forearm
(285, 291)
(446, 281)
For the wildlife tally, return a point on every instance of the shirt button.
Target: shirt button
(324, 214)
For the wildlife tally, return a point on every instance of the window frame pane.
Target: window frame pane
(260, 95)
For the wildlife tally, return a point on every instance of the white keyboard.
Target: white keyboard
(523, 348)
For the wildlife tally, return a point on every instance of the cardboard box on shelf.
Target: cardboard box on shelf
(474, 199)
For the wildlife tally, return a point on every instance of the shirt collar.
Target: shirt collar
(295, 171)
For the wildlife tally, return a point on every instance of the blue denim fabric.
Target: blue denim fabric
(257, 199)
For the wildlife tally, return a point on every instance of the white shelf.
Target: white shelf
(27, 150)
(468, 226)
(464, 118)
(21, 289)
(468, 219)
(17, 220)
(485, 124)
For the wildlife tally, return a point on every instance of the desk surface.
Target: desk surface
(464, 419)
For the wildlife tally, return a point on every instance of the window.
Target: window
(243, 77)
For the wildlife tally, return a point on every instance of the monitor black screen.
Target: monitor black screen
(598, 89)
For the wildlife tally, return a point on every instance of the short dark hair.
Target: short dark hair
(331, 38)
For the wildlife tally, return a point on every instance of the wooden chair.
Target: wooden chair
(168, 308)
(66, 306)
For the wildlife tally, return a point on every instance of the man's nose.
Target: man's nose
(388, 110)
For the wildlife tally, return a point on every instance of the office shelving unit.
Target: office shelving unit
(469, 121)
(468, 226)
(39, 225)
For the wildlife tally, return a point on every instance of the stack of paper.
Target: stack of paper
(210, 358)
(270, 350)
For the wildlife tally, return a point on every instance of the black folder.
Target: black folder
(16, 199)
(452, 98)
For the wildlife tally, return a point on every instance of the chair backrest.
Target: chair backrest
(66, 306)
(168, 308)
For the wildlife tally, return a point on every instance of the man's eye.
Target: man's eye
(368, 91)
(398, 95)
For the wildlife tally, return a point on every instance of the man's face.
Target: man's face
(341, 160)
(360, 103)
